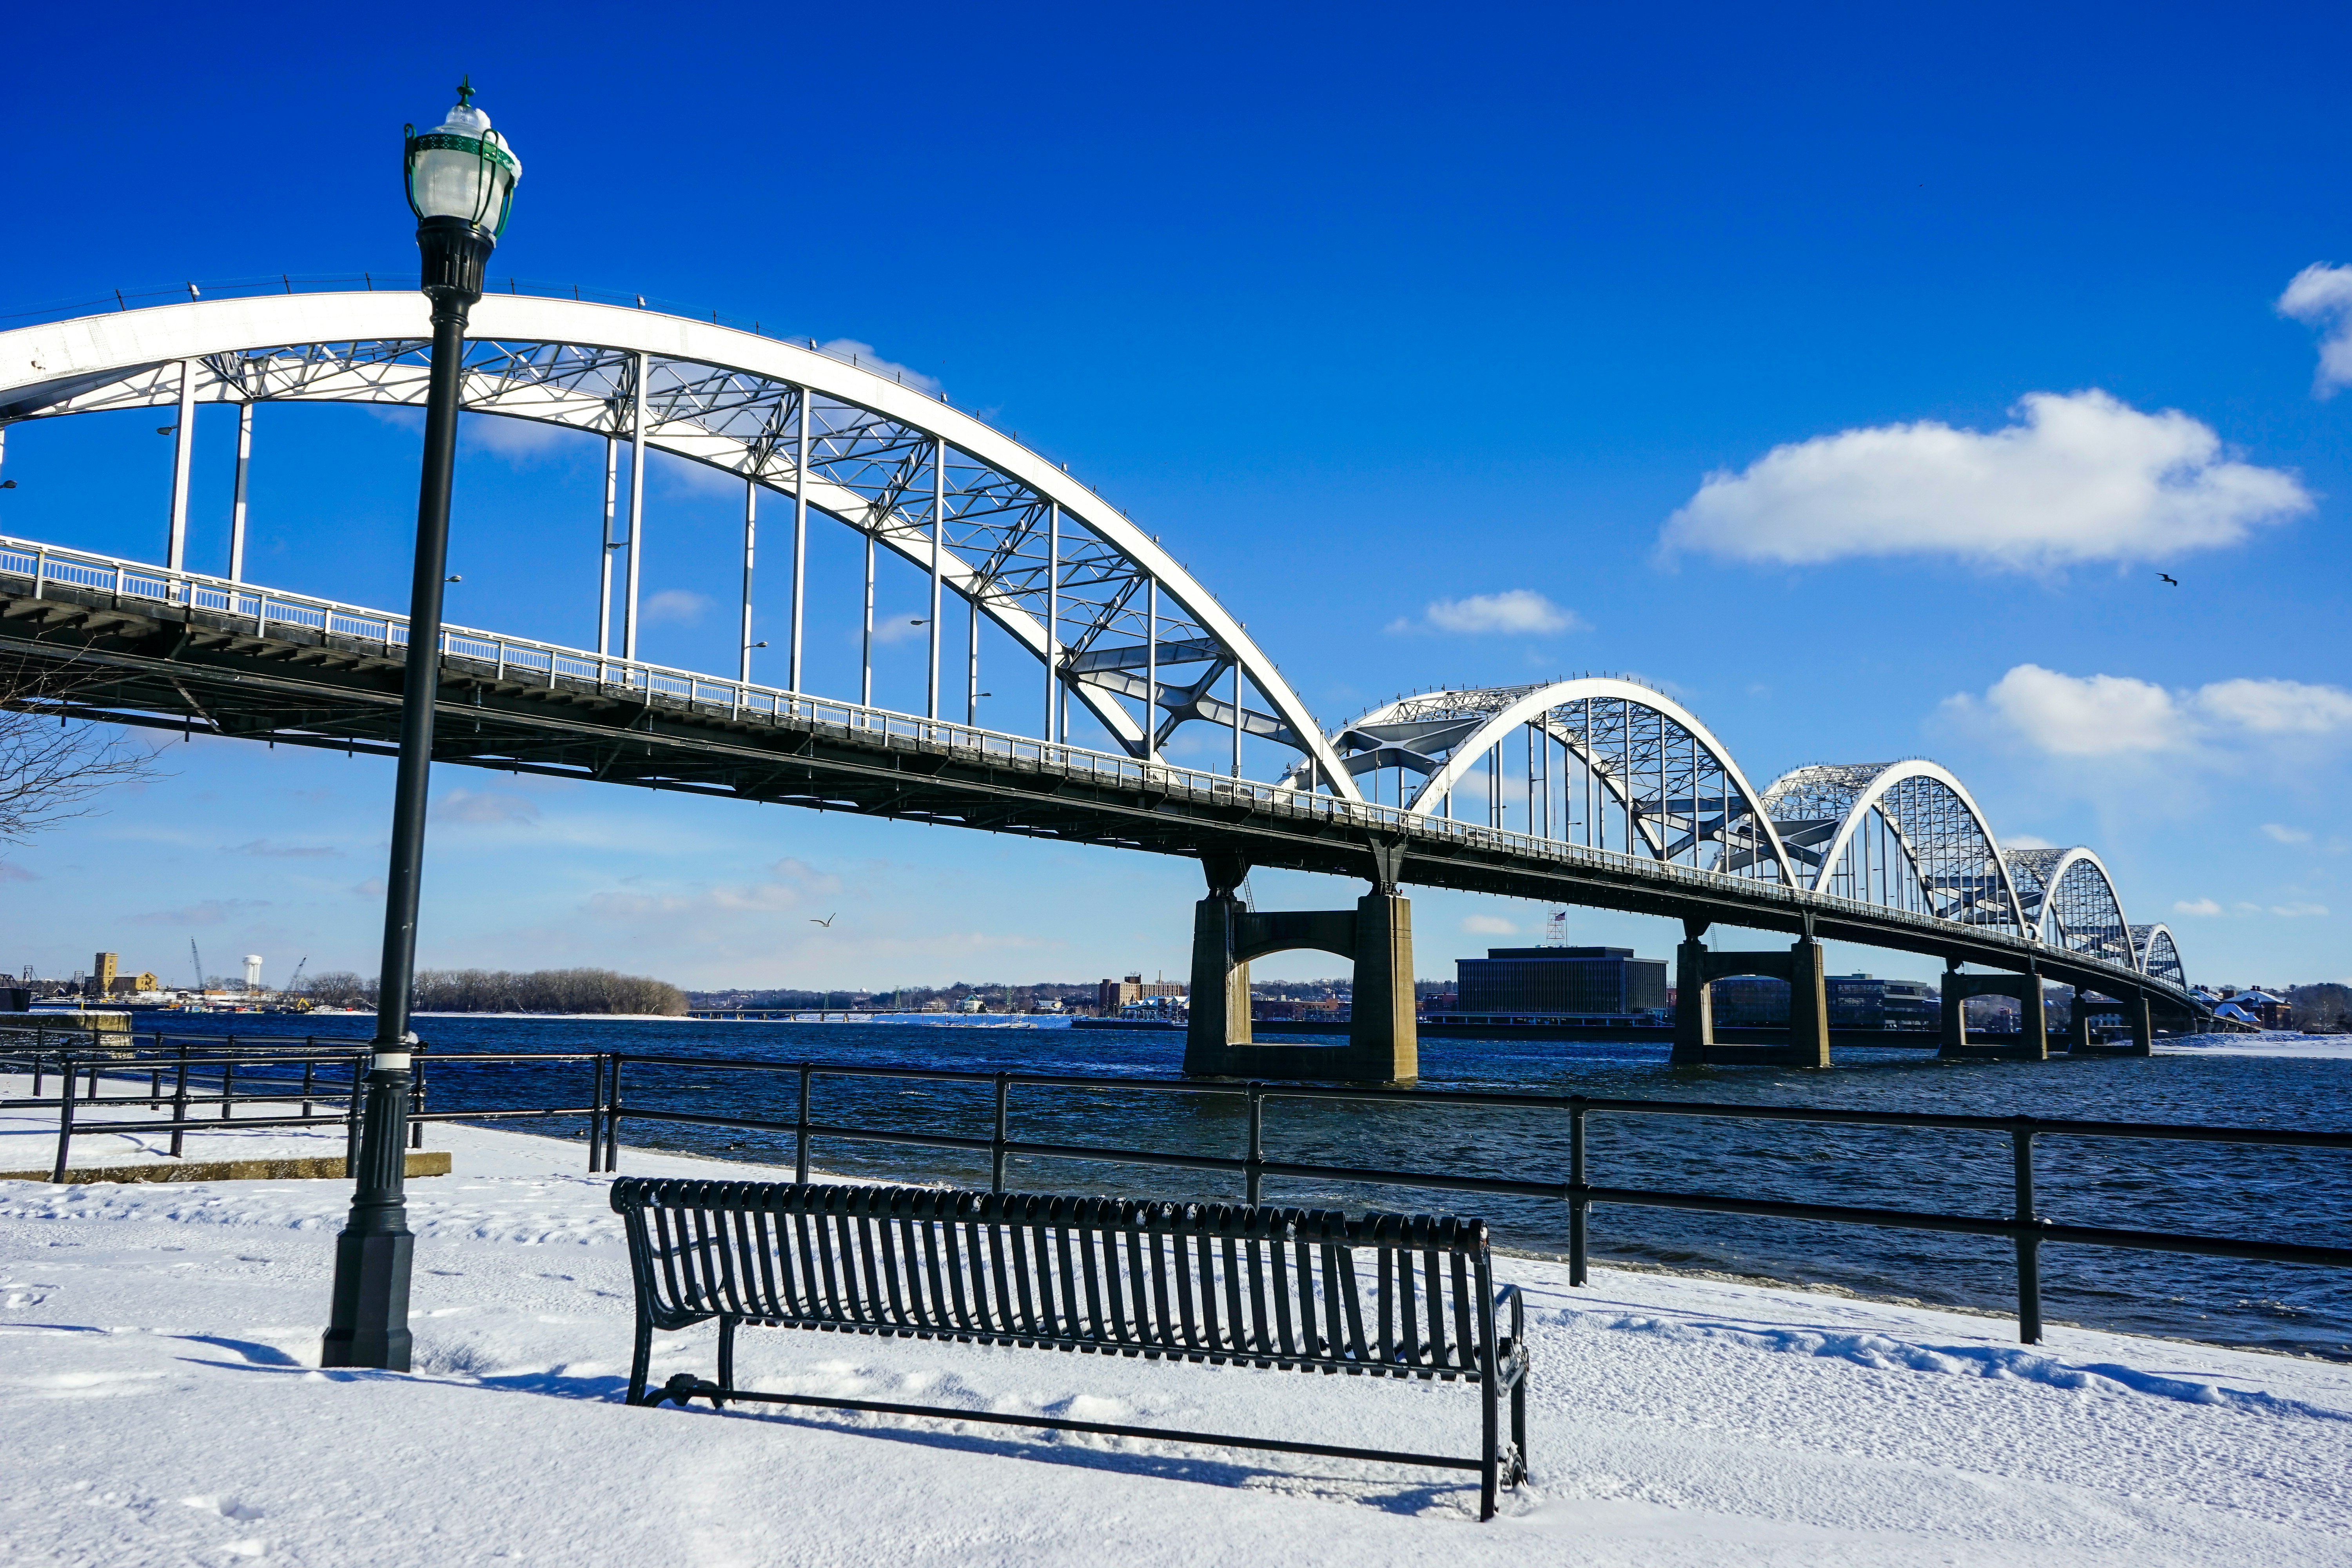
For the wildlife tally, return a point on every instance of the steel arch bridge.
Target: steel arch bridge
(1598, 790)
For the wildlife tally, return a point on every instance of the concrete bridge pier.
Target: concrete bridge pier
(2135, 1010)
(1697, 969)
(2033, 1041)
(1376, 936)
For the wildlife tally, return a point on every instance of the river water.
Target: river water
(2273, 1194)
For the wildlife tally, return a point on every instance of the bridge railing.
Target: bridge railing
(516, 659)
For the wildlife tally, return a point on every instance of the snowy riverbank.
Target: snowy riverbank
(161, 1405)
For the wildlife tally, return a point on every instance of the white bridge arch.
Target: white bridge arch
(2070, 900)
(1607, 764)
(1891, 832)
(1055, 565)
(1641, 770)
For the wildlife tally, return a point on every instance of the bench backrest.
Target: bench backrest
(1394, 1295)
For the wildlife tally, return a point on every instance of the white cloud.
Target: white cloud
(2081, 716)
(1488, 925)
(523, 443)
(2112, 715)
(2295, 912)
(484, 809)
(1514, 611)
(2277, 707)
(2195, 907)
(683, 475)
(863, 355)
(2082, 477)
(2025, 841)
(681, 605)
(263, 847)
(2286, 835)
(2321, 296)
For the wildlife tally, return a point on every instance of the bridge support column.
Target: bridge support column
(1694, 1004)
(1809, 1005)
(2143, 1032)
(1383, 1025)
(1383, 1031)
(2078, 1025)
(2033, 1034)
(1697, 969)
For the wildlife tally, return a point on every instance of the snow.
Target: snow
(162, 1405)
(2269, 1043)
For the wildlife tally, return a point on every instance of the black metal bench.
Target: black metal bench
(1286, 1289)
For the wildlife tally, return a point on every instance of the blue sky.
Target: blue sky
(1850, 374)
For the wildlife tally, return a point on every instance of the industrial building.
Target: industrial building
(1111, 995)
(1560, 983)
(1866, 1002)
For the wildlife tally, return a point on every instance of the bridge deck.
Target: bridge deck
(121, 652)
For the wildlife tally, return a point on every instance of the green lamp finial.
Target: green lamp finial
(465, 90)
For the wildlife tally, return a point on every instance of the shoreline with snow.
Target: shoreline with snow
(1675, 1419)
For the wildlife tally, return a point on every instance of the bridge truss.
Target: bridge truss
(1598, 790)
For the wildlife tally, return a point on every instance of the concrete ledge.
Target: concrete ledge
(421, 1163)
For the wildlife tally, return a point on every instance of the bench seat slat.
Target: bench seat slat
(1270, 1287)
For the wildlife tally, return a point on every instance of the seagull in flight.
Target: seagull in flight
(828, 920)
(2169, 578)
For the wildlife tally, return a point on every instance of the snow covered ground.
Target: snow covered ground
(2269, 1043)
(160, 1405)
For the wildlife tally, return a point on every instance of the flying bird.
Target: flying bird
(2169, 578)
(828, 920)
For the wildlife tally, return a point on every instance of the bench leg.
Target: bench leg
(1519, 1421)
(726, 1360)
(642, 1362)
(1489, 1460)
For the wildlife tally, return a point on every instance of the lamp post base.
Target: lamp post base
(370, 1276)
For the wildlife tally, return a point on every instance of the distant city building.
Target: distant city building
(1561, 982)
(1866, 1002)
(1752, 1000)
(1113, 995)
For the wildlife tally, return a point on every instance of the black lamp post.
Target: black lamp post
(461, 180)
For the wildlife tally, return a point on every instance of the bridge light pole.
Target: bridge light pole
(461, 178)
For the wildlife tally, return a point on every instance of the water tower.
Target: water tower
(253, 971)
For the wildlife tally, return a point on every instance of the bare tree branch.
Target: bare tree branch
(51, 766)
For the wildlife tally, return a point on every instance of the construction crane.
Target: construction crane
(198, 959)
(294, 981)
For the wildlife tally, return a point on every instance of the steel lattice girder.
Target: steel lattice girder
(730, 400)
(2154, 952)
(1684, 797)
(2071, 900)
(1954, 863)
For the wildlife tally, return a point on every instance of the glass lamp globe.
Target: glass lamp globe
(462, 169)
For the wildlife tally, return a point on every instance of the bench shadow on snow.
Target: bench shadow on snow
(1388, 1495)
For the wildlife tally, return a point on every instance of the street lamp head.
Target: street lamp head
(463, 169)
(461, 177)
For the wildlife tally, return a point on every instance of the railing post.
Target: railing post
(40, 1049)
(310, 1069)
(1578, 1209)
(416, 1099)
(65, 1120)
(229, 1082)
(180, 1101)
(613, 1117)
(800, 1131)
(596, 1115)
(2029, 1237)
(1256, 1160)
(996, 1145)
(351, 1115)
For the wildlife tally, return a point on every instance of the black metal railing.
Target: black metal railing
(206, 1089)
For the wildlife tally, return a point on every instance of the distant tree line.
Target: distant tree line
(2321, 1009)
(505, 991)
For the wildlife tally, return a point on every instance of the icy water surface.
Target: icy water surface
(2283, 1195)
